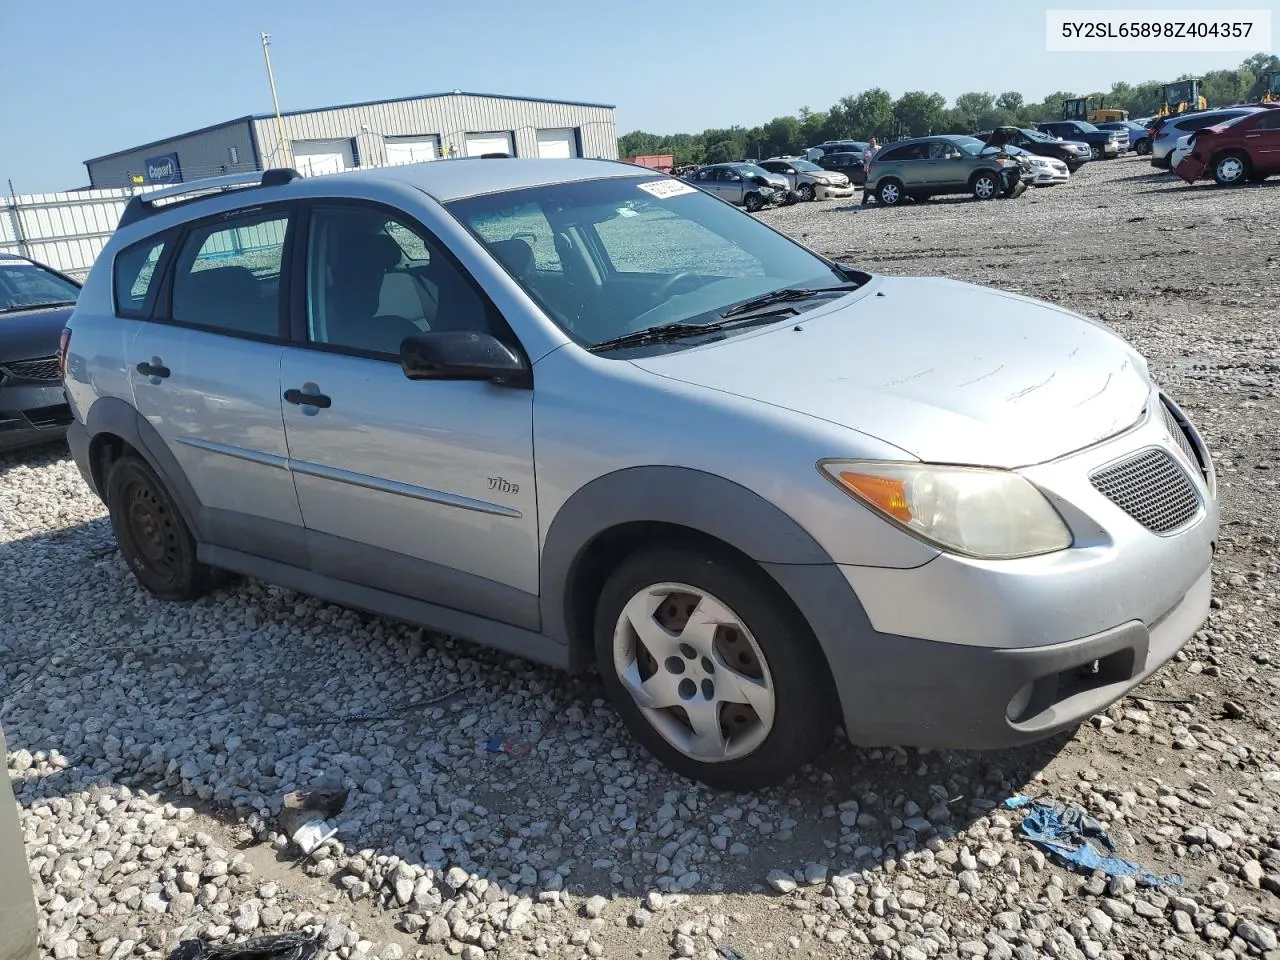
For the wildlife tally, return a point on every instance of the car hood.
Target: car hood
(947, 371)
(32, 333)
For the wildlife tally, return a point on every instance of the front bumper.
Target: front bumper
(32, 414)
(970, 654)
(1045, 177)
(826, 191)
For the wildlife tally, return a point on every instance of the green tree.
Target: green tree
(871, 114)
(722, 151)
(919, 113)
(970, 108)
(1010, 101)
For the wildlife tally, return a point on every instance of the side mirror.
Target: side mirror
(462, 355)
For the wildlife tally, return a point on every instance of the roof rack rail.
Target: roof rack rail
(143, 205)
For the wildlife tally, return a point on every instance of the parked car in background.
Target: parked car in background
(816, 152)
(1181, 151)
(1044, 172)
(35, 302)
(744, 184)
(588, 414)
(1233, 152)
(1072, 153)
(1167, 133)
(852, 165)
(1103, 144)
(17, 899)
(933, 166)
(1139, 141)
(808, 181)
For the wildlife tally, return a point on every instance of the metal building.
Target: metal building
(375, 133)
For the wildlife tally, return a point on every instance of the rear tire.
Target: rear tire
(153, 538)
(1142, 147)
(1231, 169)
(889, 193)
(737, 690)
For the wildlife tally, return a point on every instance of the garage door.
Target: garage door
(479, 144)
(315, 157)
(561, 143)
(411, 150)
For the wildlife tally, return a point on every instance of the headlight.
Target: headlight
(984, 513)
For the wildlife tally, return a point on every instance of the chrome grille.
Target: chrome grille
(1151, 488)
(44, 369)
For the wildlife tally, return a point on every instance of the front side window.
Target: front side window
(227, 275)
(134, 269)
(640, 253)
(24, 285)
(373, 280)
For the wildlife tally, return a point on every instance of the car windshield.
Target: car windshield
(750, 170)
(608, 257)
(25, 285)
(971, 145)
(1083, 127)
(804, 166)
(1037, 135)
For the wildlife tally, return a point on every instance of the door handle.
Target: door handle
(153, 368)
(307, 399)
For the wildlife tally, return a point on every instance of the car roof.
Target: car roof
(14, 256)
(453, 179)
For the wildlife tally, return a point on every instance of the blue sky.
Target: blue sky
(85, 78)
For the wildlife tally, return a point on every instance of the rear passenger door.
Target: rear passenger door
(205, 373)
(1263, 143)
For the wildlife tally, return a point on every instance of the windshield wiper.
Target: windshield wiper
(665, 333)
(36, 306)
(785, 295)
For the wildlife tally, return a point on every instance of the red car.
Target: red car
(1247, 148)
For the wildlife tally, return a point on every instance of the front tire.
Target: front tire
(1231, 169)
(1095, 153)
(753, 202)
(1142, 147)
(806, 192)
(711, 669)
(153, 537)
(985, 186)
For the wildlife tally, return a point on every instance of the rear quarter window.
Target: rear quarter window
(134, 272)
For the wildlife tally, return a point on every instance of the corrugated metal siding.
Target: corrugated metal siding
(449, 118)
(203, 154)
(65, 230)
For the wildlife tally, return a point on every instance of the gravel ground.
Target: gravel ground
(498, 809)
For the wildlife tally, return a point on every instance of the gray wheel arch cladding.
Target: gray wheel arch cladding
(700, 502)
(111, 415)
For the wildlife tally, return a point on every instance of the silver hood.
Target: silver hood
(948, 371)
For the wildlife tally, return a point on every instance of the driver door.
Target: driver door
(947, 166)
(731, 186)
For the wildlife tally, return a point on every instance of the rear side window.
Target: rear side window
(135, 268)
(1270, 122)
(227, 276)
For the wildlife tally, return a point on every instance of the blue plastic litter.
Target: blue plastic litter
(1065, 830)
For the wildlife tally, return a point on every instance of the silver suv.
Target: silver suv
(588, 414)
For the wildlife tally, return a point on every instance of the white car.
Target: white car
(1180, 151)
(808, 181)
(1046, 171)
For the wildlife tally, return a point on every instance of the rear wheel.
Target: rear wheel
(1142, 147)
(153, 537)
(1231, 169)
(889, 193)
(985, 186)
(711, 669)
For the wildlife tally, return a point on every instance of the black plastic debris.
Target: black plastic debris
(281, 946)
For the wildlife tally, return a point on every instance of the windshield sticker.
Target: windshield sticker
(627, 212)
(662, 189)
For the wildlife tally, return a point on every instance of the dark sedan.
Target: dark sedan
(35, 302)
(1071, 152)
(852, 165)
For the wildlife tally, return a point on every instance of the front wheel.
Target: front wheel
(753, 202)
(806, 192)
(1095, 153)
(1231, 170)
(985, 186)
(712, 670)
(153, 537)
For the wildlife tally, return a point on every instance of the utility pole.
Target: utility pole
(271, 79)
